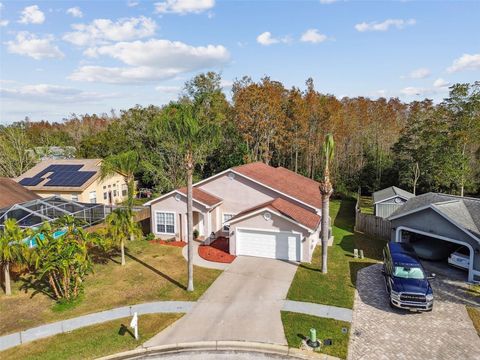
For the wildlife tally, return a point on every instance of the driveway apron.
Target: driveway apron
(379, 332)
(244, 303)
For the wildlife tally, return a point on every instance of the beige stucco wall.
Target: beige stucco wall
(238, 194)
(276, 223)
(179, 207)
(115, 182)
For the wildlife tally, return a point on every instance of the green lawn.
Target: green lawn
(152, 272)
(338, 286)
(297, 327)
(366, 205)
(93, 341)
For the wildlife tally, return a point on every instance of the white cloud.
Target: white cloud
(420, 73)
(384, 25)
(327, 1)
(75, 12)
(3, 22)
(151, 60)
(465, 62)
(267, 39)
(169, 89)
(101, 31)
(183, 6)
(412, 91)
(51, 93)
(441, 83)
(32, 15)
(29, 44)
(131, 3)
(313, 36)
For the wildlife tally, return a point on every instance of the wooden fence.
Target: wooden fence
(370, 224)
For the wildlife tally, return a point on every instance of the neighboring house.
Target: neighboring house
(12, 193)
(445, 218)
(265, 211)
(386, 201)
(74, 179)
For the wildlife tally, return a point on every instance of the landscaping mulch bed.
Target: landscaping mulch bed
(216, 251)
(171, 243)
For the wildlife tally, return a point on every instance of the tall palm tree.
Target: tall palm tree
(11, 249)
(125, 164)
(119, 227)
(326, 190)
(194, 139)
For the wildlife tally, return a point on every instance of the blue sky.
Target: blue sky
(63, 57)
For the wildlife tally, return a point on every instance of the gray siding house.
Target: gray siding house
(386, 201)
(444, 217)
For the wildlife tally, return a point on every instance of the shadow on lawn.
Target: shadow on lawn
(150, 267)
(39, 286)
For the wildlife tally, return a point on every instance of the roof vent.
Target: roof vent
(267, 216)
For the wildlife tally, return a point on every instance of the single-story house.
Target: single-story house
(445, 218)
(76, 180)
(12, 193)
(386, 201)
(264, 211)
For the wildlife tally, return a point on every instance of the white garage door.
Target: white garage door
(269, 244)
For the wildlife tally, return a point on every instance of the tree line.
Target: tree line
(420, 146)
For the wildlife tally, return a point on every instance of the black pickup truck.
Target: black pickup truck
(405, 278)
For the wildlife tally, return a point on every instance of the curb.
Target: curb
(221, 346)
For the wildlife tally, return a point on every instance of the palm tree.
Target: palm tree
(11, 249)
(194, 140)
(119, 227)
(326, 190)
(125, 164)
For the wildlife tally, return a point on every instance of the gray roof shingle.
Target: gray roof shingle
(390, 192)
(465, 211)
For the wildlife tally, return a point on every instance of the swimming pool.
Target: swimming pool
(32, 242)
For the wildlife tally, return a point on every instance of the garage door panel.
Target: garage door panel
(269, 244)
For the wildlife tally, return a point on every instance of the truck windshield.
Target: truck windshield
(406, 272)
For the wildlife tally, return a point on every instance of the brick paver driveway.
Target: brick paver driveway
(379, 332)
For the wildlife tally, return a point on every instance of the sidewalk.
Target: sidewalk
(198, 261)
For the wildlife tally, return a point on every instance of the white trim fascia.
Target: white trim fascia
(207, 207)
(174, 222)
(391, 197)
(409, 212)
(273, 212)
(431, 206)
(277, 191)
(455, 223)
(159, 198)
(255, 181)
(471, 270)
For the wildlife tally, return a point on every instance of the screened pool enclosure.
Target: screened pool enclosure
(33, 213)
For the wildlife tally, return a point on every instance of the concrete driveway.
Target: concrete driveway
(244, 303)
(379, 332)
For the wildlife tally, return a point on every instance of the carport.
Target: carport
(444, 217)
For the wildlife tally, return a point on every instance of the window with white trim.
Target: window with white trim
(227, 217)
(92, 196)
(165, 222)
(74, 197)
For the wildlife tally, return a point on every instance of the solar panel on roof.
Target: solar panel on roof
(30, 181)
(69, 178)
(58, 177)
